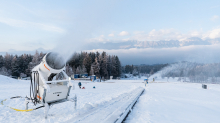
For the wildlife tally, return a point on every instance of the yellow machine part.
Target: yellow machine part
(15, 108)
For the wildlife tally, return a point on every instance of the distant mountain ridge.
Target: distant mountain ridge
(170, 44)
(131, 44)
(152, 44)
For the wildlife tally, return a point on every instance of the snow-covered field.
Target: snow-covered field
(177, 103)
(161, 102)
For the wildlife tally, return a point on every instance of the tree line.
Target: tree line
(91, 63)
(142, 69)
(19, 66)
(94, 63)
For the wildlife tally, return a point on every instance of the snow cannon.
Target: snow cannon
(49, 83)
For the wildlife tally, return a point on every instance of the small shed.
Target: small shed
(84, 75)
(76, 75)
(93, 77)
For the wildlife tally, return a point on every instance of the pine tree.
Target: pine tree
(27, 60)
(25, 63)
(83, 70)
(97, 54)
(78, 70)
(87, 63)
(35, 61)
(7, 61)
(113, 67)
(4, 71)
(103, 65)
(91, 71)
(118, 66)
(1, 61)
(15, 67)
(92, 56)
(74, 69)
(96, 67)
(109, 66)
(20, 62)
(69, 70)
(41, 56)
(74, 60)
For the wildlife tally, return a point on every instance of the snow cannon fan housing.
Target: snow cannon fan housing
(54, 83)
(51, 64)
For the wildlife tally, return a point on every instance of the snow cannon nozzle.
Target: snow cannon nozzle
(55, 60)
(52, 63)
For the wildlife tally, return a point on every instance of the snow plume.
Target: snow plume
(85, 22)
(196, 72)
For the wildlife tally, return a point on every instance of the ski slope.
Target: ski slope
(111, 111)
(88, 100)
(162, 102)
(177, 103)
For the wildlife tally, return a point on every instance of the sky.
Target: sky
(74, 26)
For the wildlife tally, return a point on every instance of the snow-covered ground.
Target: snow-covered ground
(88, 99)
(177, 103)
(161, 102)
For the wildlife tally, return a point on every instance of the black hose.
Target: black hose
(34, 87)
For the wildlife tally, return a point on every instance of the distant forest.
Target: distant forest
(19, 66)
(91, 63)
(142, 69)
(94, 63)
(99, 64)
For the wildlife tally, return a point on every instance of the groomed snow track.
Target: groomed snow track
(115, 111)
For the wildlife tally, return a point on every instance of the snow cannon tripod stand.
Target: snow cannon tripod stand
(49, 83)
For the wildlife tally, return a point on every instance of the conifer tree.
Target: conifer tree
(83, 70)
(91, 71)
(1, 61)
(96, 67)
(87, 63)
(8, 60)
(78, 70)
(113, 67)
(103, 65)
(15, 67)
(118, 66)
(69, 70)
(35, 61)
(109, 66)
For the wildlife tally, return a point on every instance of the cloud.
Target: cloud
(167, 55)
(101, 38)
(172, 34)
(215, 33)
(214, 18)
(20, 23)
(154, 35)
(111, 35)
(162, 35)
(123, 33)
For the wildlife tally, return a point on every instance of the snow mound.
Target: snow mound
(5, 79)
